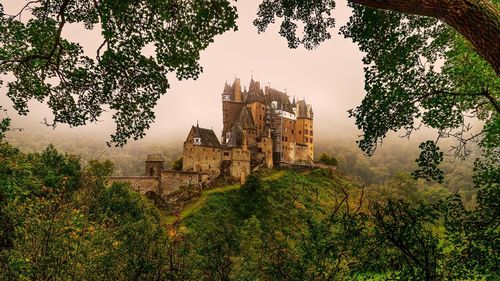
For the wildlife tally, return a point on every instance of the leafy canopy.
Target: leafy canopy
(418, 73)
(47, 67)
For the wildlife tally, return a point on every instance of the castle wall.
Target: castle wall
(153, 168)
(201, 158)
(302, 153)
(305, 134)
(266, 146)
(240, 165)
(171, 181)
(258, 111)
(139, 184)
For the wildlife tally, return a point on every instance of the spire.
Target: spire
(293, 102)
(197, 135)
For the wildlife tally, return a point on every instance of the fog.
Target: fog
(329, 77)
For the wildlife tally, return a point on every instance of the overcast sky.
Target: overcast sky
(330, 77)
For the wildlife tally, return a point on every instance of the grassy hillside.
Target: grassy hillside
(315, 225)
(60, 221)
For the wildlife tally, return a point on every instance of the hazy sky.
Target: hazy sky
(330, 77)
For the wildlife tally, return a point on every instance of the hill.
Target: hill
(60, 220)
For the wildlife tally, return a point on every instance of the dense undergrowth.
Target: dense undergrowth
(60, 221)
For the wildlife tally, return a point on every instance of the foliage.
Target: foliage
(418, 73)
(61, 220)
(428, 161)
(177, 164)
(316, 17)
(327, 159)
(78, 88)
(319, 227)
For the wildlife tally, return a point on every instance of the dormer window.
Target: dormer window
(197, 141)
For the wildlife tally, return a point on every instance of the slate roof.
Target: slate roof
(208, 137)
(155, 158)
(245, 119)
(303, 109)
(280, 97)
(255, 93)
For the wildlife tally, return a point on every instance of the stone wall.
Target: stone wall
(258, 111)
(171, 181)
(139, 184)
(201, 158)
(240, 165)
(266, 146)
(302, 153)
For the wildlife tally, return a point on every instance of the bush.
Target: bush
(177, 165)
(327, 159)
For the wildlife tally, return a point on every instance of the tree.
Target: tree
(327, 159)
(177, 165)
(77, 88)
(418, 71)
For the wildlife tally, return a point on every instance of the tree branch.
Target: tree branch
(477, 20)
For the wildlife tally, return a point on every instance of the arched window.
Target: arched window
(151, 171)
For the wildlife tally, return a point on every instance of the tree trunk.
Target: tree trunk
(477, 20)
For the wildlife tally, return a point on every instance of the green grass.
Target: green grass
(201, 201)
(205, 195)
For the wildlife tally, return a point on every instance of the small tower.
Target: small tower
(154, 165)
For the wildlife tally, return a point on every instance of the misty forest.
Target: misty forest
(411, 191)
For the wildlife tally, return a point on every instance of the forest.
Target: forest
(61, 221)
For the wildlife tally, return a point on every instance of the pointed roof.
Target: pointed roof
(197, 130)
(280, 97)
(245, 119)
(228, 90)
(303, 111)
(208, 137)
(236, 136)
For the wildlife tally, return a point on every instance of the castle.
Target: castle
(261, 128)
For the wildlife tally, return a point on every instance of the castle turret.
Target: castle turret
(237, 90)
(154, 165)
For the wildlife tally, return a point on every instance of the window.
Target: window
(300, 132)
(311, 132)
(292, 131)
(306, 140)
(226, 153)
(306, 132)
(310, 140)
